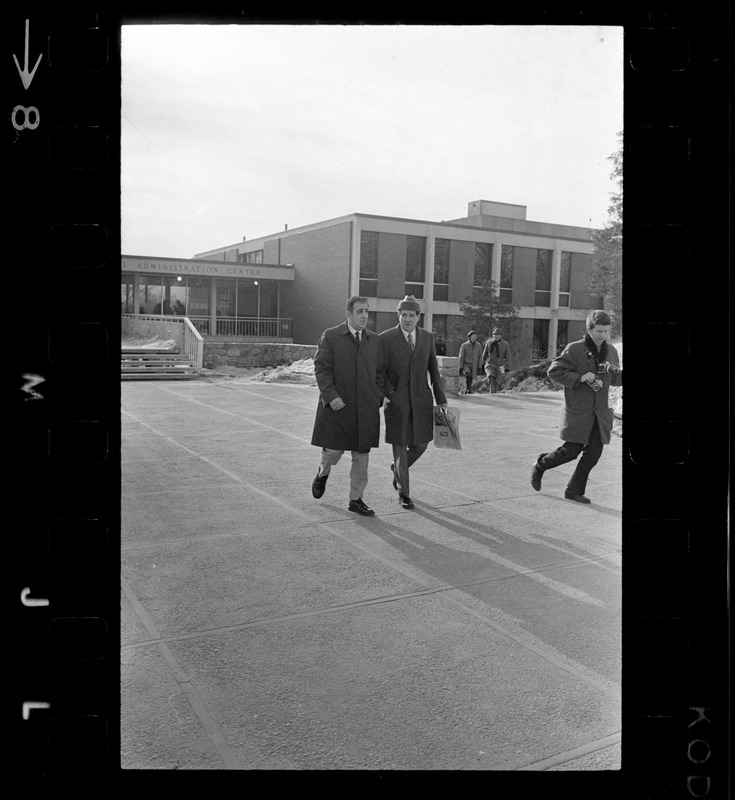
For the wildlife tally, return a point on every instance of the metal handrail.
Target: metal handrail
(193, 344)
(188, 338)
(267, 328)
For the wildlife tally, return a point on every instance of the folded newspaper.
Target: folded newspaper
(446, 427)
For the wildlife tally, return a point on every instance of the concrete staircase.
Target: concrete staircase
(147, 363)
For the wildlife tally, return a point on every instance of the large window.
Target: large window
(540, 339)
(441, 269)
(506, 273)
(439, 329)
(197, 301)
(174, 295)
(126, 293)
(247, 298)
(543, 277)
(244, 308)
(415, 259)
(483, 262)
(562, 335)
(369, 263)
(171, 295)
(415, 265)
(268, 299)
(150, 294)
(565, 279)
(253, 257)
(226, 298)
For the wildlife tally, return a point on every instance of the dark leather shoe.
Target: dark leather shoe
(405, 502)
(578, 498)
(360, 508)
(536, 474)
(395, 482)
(318, 485)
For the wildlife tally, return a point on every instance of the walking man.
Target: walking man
(410, 355)
(348, 369)
(496, 359)
(470, 359)
(585, 369)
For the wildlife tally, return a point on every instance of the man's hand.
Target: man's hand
(337, 404)
(588, 377)
(443, 405)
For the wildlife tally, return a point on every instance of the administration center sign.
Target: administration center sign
(206, 269)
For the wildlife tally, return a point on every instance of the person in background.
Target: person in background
(410, 361)
(349, 373)
(441, 346)
(496, 359)
(586, 369)
(470, 359)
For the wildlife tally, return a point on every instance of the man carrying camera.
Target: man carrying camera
(586, 370)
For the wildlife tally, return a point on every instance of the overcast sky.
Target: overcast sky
(232, 131)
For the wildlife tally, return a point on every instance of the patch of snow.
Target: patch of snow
(144, 342)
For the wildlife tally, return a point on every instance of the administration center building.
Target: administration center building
(291, 285)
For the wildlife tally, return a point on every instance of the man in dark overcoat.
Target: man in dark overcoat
(349, 372)
(410, 356)
(470, 355)
(496, 359)
(586, 369)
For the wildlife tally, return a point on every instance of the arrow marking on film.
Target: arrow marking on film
(25, 76)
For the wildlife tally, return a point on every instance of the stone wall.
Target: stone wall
(449, 371)
(254, 354)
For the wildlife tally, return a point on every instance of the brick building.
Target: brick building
(291, 285)
(543, 268)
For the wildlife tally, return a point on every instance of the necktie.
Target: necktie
(410, 340)
(357, 337)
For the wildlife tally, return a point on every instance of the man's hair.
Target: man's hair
(350, 304)
(598, 317)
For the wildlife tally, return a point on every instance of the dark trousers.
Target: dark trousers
(468, 378)
(404, 455)
(591, 453)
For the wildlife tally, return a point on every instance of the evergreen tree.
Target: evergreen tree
(484, 310)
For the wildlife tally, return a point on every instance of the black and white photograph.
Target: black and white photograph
(330, 234)
(423, 241)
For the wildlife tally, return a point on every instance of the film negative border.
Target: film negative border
(674, 543)
(63, 143)
(63, 158)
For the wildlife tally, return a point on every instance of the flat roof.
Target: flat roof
(584, 235)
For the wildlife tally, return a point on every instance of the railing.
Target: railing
(187, 337)
(193, 344)
(174, 327)
(268, 328)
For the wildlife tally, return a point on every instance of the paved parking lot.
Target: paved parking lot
(263, 629)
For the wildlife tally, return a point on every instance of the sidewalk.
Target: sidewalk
(264, 629)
